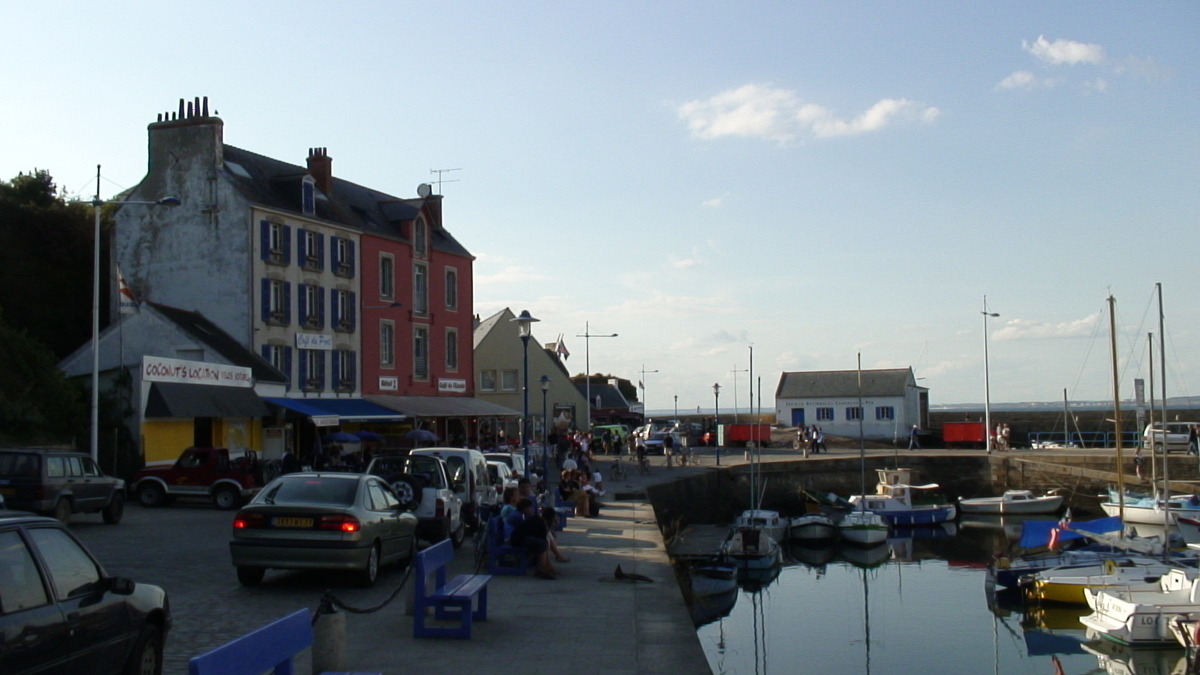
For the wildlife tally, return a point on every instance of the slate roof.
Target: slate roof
(208, 333)
(610, 396)
(276, 184)
(843, 383)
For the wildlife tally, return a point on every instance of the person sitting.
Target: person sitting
(550, 516)
(570, 489)
(530, 532)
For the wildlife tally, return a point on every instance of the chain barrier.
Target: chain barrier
(330, 601)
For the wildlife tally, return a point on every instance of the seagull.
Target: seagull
(619, 574)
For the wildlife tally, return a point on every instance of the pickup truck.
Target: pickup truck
(229, 479)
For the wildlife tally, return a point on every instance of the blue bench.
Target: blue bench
(464, 598)
(504, 558)
(270, 648)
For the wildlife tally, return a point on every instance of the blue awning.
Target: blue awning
(338, 409)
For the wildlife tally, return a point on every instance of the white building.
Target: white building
(891, 402)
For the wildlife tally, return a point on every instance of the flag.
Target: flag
(126, 300)
(640, 385)
(1063, 526)
(561, 348)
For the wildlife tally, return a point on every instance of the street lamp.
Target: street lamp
(545, 424)
(676, 407)
(717, 419)
(735, 371)
(525, 330)
(987, 385)
(96, 204)
(642, 382)
(587, 366)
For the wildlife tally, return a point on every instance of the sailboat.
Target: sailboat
(861, 526)
(753, 542)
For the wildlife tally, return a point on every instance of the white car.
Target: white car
(1176, 436)
(425, 482)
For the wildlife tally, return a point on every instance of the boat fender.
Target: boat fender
(1110, 567)
(1196, 633)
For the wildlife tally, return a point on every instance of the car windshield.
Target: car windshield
(19, 465)
(331, 490)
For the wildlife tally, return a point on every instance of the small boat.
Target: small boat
(893, 499)
(770, 522)
(1145, 617)
(1012, 501)
(751, 548)
(812, 527)
(1153, 510)
(1069, 585)
(713, 577)
(863, 528)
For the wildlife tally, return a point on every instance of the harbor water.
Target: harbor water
(918, 605)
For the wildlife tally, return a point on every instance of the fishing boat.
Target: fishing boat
(1153, 510)
(751, 548)
(1070, 585)
(1144, 617)
(863, 528)
(713, 577)
(1012, 502)
(770, 522)
(893, 499)
(812, 527)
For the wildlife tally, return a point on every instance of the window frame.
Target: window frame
(387, 276)
(421, 366)
(420, 289)
(452, 349)
(387, 343)
(451, 290)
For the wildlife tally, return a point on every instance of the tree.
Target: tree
(38, 404)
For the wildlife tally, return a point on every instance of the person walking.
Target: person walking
(914, 443)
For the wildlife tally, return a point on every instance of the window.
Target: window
(452, 349)
(420, 238)
(451, 289)
(311, 244)
(508, 380)
(825, 414)
(72, 571)
(344, 370)
(276, 302)
(308, 195)
(387, 277)
(279, 356)
(343, 257)
(312, 306)
(387, 344)
(885, 412)
(344, 304)
(312, 370)
(23, 588)
(421, 289)
(487, 380)
(854, 413)
(421, 352)
(276, 242)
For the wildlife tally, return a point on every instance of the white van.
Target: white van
(470, 478)
(1176, 436)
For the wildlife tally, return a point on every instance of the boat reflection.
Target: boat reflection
(1118, 659)
(813, 556)
(1009, 525)
(866, 557)
(755, 580)
(707, 609)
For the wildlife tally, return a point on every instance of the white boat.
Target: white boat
(893, 499)
(1071, 585)
(1154, 511)
(770, 522)
(751, 548)
(1118, 659)
(863, 528)
(1144, 617)
(1012, 501)
(812, 527)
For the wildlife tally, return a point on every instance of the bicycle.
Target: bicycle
(643, 464)
(618, 469)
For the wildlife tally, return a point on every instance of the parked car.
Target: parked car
(654, 442)
(59, 483)
(469, 478)
(226, 477)
(61, 613)
(424, 483)
(335, 521)
(514, 460)
(502, 476)
(1176, 436)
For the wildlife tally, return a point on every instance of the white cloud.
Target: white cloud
(1098, 85)
(1064, 51)
(1026, 329)
(510, 274)
(1023, 79)
(683, 263)
(715, 201)
(763, 111)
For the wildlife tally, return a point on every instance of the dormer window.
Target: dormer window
(420, 237)
(308, 195)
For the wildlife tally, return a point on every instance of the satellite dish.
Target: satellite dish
(424, 189)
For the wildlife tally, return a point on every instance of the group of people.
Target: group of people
(812, 439)
(582, 490)
(528, 526)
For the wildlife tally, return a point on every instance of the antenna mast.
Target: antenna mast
(441, 179)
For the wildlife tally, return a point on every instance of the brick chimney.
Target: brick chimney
(189, 139)
(320, 167)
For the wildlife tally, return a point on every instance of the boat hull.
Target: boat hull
(714, 578)
(931, 515)
(812, 528)
(1000, 506)
(863, 529)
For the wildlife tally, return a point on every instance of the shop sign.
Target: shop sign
(389, 384)
(325, 420)
(314, 341)
(159, 369)
(454, 386)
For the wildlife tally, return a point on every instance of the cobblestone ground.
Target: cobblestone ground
(185, 549)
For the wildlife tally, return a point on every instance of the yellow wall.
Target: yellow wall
(164, 440)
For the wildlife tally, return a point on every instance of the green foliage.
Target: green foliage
(37, 403)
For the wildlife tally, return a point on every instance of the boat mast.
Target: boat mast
(1116, 382)
(1153, 459)
(1162, 364)
(862, 446)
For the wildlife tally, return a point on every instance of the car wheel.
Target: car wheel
(250, 576)
(457, 537)
(62, 510)
(227, 498)
(147, 655)
(115, 509)
(151, 494)
(370, 572)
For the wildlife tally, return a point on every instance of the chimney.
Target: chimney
(184, 140)
(320, 167)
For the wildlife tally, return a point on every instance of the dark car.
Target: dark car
(59, 483)
(333, 521)
(60, 612)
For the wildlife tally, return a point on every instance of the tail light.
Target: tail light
(440, 508)
(246, 520)
(339, 524)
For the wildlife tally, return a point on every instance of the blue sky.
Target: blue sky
(815, 179)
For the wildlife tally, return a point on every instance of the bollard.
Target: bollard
(329, 638)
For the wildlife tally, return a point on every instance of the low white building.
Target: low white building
(891, 402)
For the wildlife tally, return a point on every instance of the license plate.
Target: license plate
(292, 522)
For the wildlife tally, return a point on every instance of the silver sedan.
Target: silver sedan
(337, 521)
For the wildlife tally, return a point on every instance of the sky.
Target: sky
(814, 183)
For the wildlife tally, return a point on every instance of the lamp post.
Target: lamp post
(587, 366)
(525, 330)
(545, 424)
(717, 420)
(987, 384)
(734, 372)
(676, 407)
(94, 439)
(645, 398)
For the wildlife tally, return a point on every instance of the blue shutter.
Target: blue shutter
(320, 369)
(301, 246)
(264, 232)
(320, 307)
(336, 368)
(287, 244)
(266, 300)
(352, 363)
(352, 311)
(302, 372)
(350, 256)
(287, 364)
(287, 302)
(320, 251)
(302, 303)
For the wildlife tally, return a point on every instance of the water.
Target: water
(915, 606)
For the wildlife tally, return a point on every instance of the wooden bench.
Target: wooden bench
(270, 648)
(504, 558)
(450, 601)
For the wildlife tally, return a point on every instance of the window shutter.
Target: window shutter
(302, 373)
(320, 369)
(320, 307)
(266, 300)
(287, 244)
(287, 302)
(287, 363)
(264, 232)
(350, 256)
(302, 245)
(266, 353)
(352, 366)
(320, 251)
(351, 311)
(337, 369)
(302, 301)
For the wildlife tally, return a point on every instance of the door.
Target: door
(33, 635)
(798, 417)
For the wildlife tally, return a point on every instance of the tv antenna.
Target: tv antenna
(441, 179)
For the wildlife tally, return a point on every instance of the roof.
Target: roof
(485, 327)
(343, 409)
(442, 406)
(208, 333)
(841, 383)
(178, 400)
(276, 184)
(610, 396)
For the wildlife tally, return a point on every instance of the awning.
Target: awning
(336, 410)
(443, 406)
(176, 399)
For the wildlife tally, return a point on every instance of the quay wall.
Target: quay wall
(718, 494)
